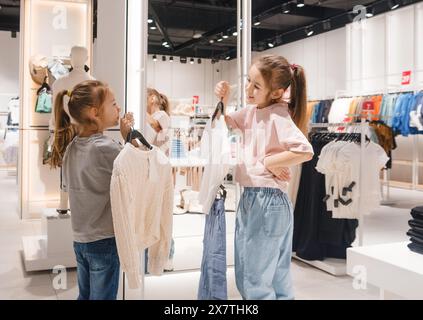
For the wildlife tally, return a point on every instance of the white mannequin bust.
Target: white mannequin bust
(79, 57)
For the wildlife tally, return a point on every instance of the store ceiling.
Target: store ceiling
(176, 22)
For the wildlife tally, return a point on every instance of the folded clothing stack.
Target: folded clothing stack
(416, 231)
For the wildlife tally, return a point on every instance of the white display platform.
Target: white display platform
(393, 268)
(336, 267)
(54, 247)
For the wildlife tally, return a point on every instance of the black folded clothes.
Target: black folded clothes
(417, 225)
(416, 234)
(417, 214)
(415, 248)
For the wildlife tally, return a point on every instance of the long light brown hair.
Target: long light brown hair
(280, 74)
(86, 95)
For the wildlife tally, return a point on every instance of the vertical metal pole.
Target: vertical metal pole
(238, 54)
(246, 46)
(362, 159)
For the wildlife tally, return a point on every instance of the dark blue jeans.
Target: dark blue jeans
(213, 283)
(98, 269)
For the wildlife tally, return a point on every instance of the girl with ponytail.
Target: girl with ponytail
(273, 140)
(158, 117)
(86, 157)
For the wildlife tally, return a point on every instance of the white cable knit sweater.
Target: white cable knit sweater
(141, 196)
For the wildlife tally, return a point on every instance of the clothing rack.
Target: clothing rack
(338, 267)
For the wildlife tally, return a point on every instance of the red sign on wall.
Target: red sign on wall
(195, 99)
(406, 78)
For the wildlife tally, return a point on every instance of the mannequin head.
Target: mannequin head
(79, 57)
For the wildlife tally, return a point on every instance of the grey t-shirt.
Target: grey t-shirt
(87, 171)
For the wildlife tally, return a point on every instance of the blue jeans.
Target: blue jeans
(98, 269)
(263, 245)
(213, 283)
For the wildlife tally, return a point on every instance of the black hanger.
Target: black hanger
(45, 85)
(135, 134)
(220, 107)
(222, 192)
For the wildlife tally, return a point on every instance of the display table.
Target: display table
(54, 247)
(393, 268)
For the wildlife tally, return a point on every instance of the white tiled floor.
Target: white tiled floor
(387, 224)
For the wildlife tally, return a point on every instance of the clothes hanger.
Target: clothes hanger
(136, 135)
(220, 107)
(45, 85)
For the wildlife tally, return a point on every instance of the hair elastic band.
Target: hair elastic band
(294, 67)
(69, 93)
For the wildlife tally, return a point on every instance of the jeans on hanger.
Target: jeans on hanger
(263, 245)
(213, 283)
(98, 269)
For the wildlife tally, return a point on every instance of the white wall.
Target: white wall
(383, 48)
(9, 67)
(109, 47)
(183, 81)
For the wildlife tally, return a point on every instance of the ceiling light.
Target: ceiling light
(211, 41)
(393, 4)
(235, 34)
(271, 44)
(225, 36)
(153, 27)
(220, 40)
(150, 21)
(228, 57)
(370, 12)
(197, 35)
(257, 23)
(171, 59)
(300, 3)
(309, 31)
(164, 43)
(154, 58)
(286, 8)
(191, 61)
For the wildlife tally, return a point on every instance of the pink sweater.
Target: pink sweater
(265, 132)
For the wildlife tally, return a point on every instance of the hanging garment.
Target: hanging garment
(316, 234)
(340, 162)
(416, 114)
(216, 149)
(142, 203)
(339, 110)
(213, 283)
(44, 101)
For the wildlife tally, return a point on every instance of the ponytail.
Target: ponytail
(64, 131)
(298, 104)
(280, 74)
(164, 104)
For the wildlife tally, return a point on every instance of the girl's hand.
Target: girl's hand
(223, 91)
(283, 174)
(126, 123)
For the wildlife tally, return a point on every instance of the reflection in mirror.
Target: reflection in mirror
(192, 46)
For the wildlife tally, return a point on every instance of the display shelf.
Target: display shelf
(391, 267)
(54, 247)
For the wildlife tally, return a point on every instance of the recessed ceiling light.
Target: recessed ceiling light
(271, 44)
(211, 41)
(150, 21)
(153, 27)
(300, 3)
(235, 34)
(257, 23)
(197, 35)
